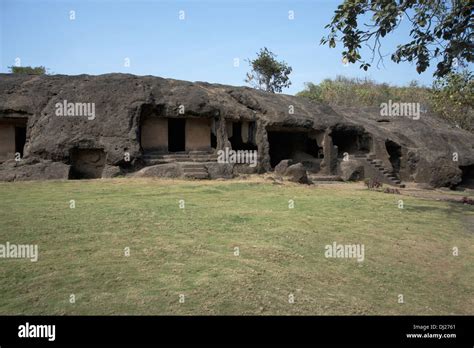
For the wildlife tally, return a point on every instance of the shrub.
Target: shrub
(372, 184)
(467, 200)
(28, 70)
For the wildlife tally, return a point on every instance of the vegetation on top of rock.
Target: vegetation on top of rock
(267, 73)
(441, 31)
(357, 92)
(28, 70)
(451, 97)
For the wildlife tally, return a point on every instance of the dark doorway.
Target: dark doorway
(176, 134)
(350, 140)
(213, 141)
(20, 139)
(236, 138)
(291, 145)
(395, 152)
(86, 163)
(467, 176)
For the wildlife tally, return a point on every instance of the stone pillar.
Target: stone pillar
(245, 132)
(221, 134)
(329, 162)
(263, 146)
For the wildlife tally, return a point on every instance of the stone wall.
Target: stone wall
(7, 142)
(198, 134)
(154, 134)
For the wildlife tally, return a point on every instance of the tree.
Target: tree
(441, 30)
(453, 99)
(39, 70)
(267, 73)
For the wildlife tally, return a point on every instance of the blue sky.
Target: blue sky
(202, 47)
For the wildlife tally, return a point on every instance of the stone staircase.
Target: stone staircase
(390, 176)
(192, 162)
(154, 157)
(194, 170)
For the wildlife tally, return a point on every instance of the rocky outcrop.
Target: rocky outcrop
(220, 170)
(120, 101)
(441, 173)
(280, 168)
(167, 170)
(351, 170)
(33, 169)
(297, 173)
(111, 171)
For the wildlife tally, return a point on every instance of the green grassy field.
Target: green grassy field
(190, 251)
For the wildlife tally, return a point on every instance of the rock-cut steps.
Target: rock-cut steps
(152, 158)
(377, 164)
(191, 163)
(194, 170)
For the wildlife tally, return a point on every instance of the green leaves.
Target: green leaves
(453, 99)
(440, 30)
(267, 73)
(28, 70)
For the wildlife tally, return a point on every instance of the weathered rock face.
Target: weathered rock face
(425, 146)
(281, 167)
(297, 173)
(351, 171)
(438, 174)
(168, 170)
(220, 170)
(34, 170)
(111, 171)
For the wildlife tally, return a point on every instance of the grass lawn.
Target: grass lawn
(191, 251)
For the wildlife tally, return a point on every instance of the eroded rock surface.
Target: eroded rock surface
(427, 145)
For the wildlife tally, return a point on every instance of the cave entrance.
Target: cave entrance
(467, 176)
(395, 152)
(86, 163)
(354, 141)
(214, 125)
(12, 138)
(213, 141)
(243, 136)
(176, 134)
(295, 145)
(20, 139)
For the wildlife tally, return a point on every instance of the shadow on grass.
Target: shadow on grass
(452, 208)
